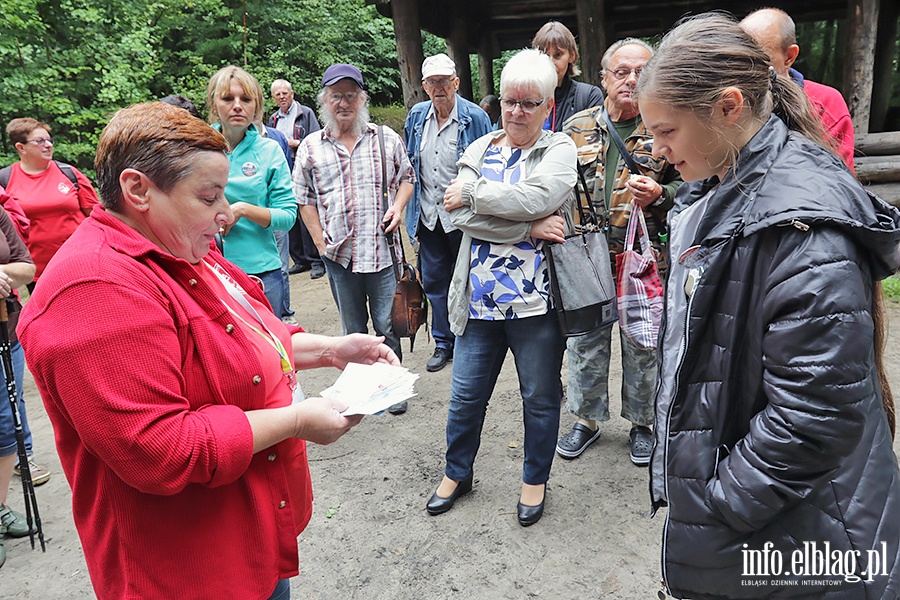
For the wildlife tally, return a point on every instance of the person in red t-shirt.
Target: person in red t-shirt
(774, 30)
(49, 198)
(170, 383)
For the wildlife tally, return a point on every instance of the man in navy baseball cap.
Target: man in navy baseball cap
(335, 73)
(338, 183)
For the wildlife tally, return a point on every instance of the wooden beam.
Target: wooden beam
(885, 48)
(485, 74)
(889, 192)
(459, 52)
(862, 18)
(878, 169)
(878, 144)
(410, 55)
(591, 37)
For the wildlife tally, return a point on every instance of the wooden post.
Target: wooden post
(459, 52)
(884, 64)
(591, 38)
(485, 74)
(409, 49)
(862, 19)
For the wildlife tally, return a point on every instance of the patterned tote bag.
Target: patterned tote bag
(639, 287)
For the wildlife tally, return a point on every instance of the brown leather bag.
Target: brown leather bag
(409, 310)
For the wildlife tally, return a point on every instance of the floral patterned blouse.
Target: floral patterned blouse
(507, 281)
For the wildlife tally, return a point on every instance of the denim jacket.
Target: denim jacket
(473, 123)
(504, 213)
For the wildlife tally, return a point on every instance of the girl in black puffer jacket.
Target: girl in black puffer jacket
(774, 419)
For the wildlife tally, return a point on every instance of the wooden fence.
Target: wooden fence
(877, 164)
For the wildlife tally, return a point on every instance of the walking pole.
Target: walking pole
(25, 469)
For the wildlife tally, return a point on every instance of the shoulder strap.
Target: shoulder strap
(586, 210)
(626, 155)
(384, 204)
(69, 172)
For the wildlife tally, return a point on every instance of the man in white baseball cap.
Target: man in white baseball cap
(437, 132)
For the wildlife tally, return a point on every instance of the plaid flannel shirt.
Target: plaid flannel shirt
(345, 187)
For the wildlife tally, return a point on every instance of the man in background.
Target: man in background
(296, 121)
(437, 132)
(337, 182)
(774, 30)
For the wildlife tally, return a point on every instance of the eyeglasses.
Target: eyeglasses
(40, 141)
(621, 74)
(438, 83)
(528, 106)
(337, 97)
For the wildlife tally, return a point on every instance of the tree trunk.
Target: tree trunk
(409, 50)
(862, 23)
(591, 38)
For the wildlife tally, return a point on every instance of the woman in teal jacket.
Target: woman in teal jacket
(259, 180)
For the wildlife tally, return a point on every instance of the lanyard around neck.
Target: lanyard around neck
(239, 296)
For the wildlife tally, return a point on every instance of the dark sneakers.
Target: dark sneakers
(641, 444)
(439, 359)
(399, 408)
(576, 441)
(318, 270)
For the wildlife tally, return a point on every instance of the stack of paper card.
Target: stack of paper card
(370, 389)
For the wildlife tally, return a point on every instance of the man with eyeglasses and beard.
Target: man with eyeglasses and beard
(337, 182)
(613, 189)
(437, 133)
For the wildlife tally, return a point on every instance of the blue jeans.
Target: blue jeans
(282, 590)
(437, 258)
(352, 291)
(284, 252)
(273, 286)
(7, 424)
(537, 346)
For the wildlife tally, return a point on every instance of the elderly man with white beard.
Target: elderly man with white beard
(337, 181)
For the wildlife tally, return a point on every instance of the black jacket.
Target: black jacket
(572, 97)
(771, 428)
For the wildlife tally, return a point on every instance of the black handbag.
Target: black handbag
(582, 287)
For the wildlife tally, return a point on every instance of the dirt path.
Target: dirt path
(370, 537)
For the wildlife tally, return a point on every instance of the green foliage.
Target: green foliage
(72, 63)
(891, 287)
(393, 115)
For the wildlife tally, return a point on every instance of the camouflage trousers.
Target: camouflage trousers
(587, 396)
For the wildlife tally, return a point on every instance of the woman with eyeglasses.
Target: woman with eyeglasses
(510, 186)
(55, 197)
(259, 180)
(556, 41)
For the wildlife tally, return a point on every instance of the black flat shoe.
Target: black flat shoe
(529, 515)
(437, 505)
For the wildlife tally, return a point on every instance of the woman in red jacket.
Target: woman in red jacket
(54, 203)
(170, 385)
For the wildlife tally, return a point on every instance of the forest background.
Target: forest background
(72, 63)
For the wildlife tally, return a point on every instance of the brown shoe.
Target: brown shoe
(39, 474)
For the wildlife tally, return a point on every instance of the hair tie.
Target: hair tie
(772, 77)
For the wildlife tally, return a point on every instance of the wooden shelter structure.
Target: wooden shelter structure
(487, 27)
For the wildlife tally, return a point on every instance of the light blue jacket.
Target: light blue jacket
(258, 174)
(473, 123)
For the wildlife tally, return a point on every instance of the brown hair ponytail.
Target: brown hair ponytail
(880, 324)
